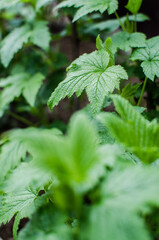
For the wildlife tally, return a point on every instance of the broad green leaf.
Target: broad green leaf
(130, 90)
(90, 72)
(90, 6)
(18, 84)
(149, 56)
(13, 42)
(134, 5)
(125, 41)
(17, 202)
(137, 134)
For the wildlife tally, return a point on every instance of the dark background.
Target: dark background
(149, 7)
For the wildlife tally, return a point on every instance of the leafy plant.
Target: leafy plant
(98, 179)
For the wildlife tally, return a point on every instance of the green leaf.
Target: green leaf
(130, 90)
(113, 24)
(90, 6)
(118, 214)
(11, 155)
(149, 57)
(18, 84)
(115, 223)
(134, 5)
(8, 3)
(42, 3)
(47, 223)
(90, 72)
(74, 166)
(22, 201)
(125, 41)
(137, 134)
(40, 35)
(14, 41)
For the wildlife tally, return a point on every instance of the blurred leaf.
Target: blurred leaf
(137, 134)
(149, 56)
(125, 41)
(90, 6)
(14, 41)
(73, 165)
(18, 84)
(46, 224)
(134, 5)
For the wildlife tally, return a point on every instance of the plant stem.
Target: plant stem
(119, 20)
(142, 92)
(19, 118)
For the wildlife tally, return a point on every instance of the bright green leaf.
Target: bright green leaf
(90, 72)
(134, 5)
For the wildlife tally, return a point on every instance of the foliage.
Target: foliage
(90, 6)
(95, 68)
(97, 176)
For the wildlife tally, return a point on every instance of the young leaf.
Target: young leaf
(134, 5)
(130, 90)
(18, 84)
(137, 134)
(125, 41)
(90, 72)
(149, 56)
(90, 6)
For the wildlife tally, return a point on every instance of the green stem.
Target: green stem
(142, 92)
(135, 24)
(19, 118)
(121, 24)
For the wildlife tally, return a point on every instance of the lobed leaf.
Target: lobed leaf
(125, 41)
(90, 6)
(15, 40)
(149, 56)
(18, 84)
(90, 72)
